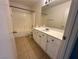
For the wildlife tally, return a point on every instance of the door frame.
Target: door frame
(72, 39)
(70, 30)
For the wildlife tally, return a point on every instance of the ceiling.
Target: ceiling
(25, 2)
(32, 3)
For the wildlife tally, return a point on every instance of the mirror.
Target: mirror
(55, 14)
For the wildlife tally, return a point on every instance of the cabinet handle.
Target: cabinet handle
(52, 40)
(39, 36)
(42, 35)
(47, 41)
(64, 37)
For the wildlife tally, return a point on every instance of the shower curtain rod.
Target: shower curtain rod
(21, 8)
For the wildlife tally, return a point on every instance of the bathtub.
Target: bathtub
(21, 34)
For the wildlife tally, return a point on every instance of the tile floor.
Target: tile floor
(28, 49)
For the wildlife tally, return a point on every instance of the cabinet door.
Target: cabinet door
(39, 37)
(53, 47)
(43, 41)
(35, 35)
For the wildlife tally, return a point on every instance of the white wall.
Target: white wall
(22, 21)
(7, 48)
(57, 15)
(37, 13)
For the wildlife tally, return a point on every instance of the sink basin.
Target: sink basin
(43, 29)
(46, 29)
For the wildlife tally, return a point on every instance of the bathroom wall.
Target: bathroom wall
(56, 16)
(22, 21)
(37, 13)
(7, 45)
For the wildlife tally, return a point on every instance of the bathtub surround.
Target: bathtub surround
(22, 22)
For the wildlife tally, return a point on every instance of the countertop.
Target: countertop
(58, 33)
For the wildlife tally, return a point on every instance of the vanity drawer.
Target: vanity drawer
(54, 40)
(53, 45)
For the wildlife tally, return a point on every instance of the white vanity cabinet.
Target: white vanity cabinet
(43, 41)
(53, 46)
(48, 41)
(36, 36)
(40, 38)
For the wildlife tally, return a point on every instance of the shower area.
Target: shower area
(22, 22)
